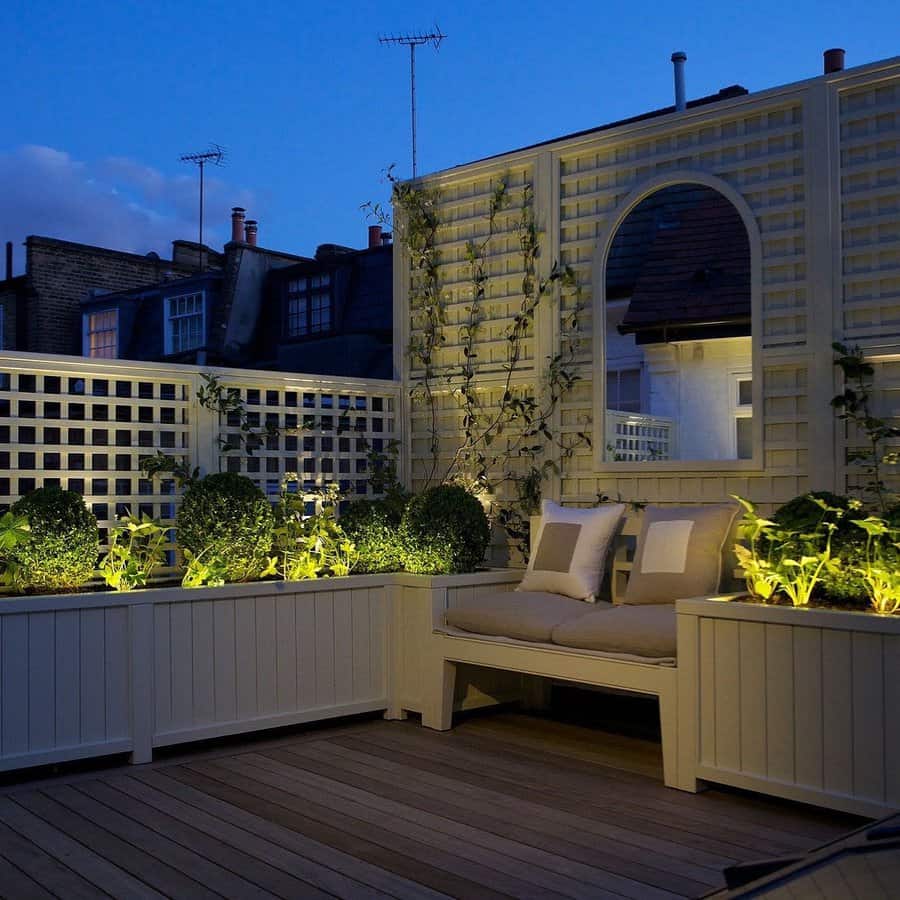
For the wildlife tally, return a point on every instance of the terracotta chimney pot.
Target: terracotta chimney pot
(250, 232)
(374, 236)
(834, 60)
(237, 223)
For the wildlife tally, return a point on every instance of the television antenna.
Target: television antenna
(412, 41)
(216, 156)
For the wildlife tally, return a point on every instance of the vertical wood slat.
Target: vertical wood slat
(67, 658)
(181, 642)
(707, 692)
(286, 638)
(892, 719)
(342, 641)
(837, 713)
(224, 636)
(727, 695)
(325, 687)
(753, 697)
(203, 680)
(118, 653)
(93, 680)
(266, 657)
(13, 677)
(808, 706)
(162, 667)
(305, 617)
(41, 681)
(868, 717)
(245, 656)
(361, 637)
(379, 636)
(779, 702)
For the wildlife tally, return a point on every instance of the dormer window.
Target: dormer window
(185, 322)
(308, 309)
(101, 334)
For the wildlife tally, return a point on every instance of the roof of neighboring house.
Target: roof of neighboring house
(726, 93)
(687, 258)
(157, 287)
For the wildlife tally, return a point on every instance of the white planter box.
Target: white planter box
(93, 674)
(799, 703)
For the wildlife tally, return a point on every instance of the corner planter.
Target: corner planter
(99, 673)
(798, 703)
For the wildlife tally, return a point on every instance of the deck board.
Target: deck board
(504, 805)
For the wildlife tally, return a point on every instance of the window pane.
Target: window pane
(744, 437)
(745, 392)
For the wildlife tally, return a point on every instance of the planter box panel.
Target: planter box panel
(64, 684)
(805, 705)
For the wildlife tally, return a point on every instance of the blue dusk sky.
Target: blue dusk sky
(101, 98)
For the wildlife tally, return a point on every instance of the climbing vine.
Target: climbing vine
(503, 440)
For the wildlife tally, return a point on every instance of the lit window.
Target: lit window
(185, 323)
(101, 334)
(309, 305)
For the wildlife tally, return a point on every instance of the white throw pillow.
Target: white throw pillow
(569, 554)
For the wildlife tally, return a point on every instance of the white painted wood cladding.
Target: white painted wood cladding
(87, 675)
(799, 703)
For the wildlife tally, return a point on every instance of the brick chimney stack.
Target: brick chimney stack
(250, 231)
(374, 236)
(237, 223)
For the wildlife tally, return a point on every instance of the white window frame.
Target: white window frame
(168, 318)
(739, 410)
(86, 332)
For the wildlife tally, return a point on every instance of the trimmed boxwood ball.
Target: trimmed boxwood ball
(61, 550)
(373, 527)
(444, 530)
(226, 517)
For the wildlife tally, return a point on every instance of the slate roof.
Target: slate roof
(683, 258)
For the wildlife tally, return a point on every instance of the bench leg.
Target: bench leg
(677, 773)
(437, 710)
(394, 712)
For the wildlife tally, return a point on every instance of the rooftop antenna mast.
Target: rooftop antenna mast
(412, 41)
(216, 156)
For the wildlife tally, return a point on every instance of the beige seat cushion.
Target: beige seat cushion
(638, 630)
(523, 615)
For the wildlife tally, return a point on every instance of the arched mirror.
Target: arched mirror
(678, 342)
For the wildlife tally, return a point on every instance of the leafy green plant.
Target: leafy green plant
(880, 572)
(60, 550)
(444, 530)
(786, 560)
(226, 522)
(136, 548)
(372, 525)
(755, 557)
(310, 546)
(855, 408)
(14, 530)
(205, 569)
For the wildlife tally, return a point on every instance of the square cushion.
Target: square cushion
(636, 630)
(570, 551)
(679, 552)
(523, 615)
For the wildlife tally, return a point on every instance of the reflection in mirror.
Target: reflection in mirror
(678, 344)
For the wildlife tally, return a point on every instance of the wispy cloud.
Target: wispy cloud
(114, 202)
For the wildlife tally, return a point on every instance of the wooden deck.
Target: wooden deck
(504, 805)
